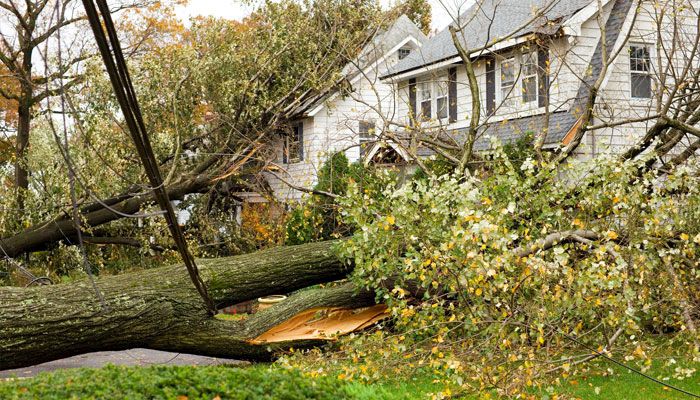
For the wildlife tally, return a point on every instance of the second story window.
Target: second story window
(507, 77)
(426, 99)
(640, 70)
(367, 136)
(441, 99)
(529, 77)
(294, 144)
(403, 53)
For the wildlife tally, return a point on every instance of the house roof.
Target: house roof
(488, 20)
(378, 47)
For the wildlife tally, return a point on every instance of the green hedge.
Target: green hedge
(178, 383)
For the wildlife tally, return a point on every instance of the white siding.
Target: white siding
(335, 128)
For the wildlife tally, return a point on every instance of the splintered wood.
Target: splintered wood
(323, 324)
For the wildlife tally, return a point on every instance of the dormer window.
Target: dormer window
(403, 53)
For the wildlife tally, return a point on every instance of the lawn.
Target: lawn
(265, 382)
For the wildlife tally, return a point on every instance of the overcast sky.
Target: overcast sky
(234, 9)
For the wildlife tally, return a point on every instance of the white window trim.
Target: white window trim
(516, 93)
(434, 91)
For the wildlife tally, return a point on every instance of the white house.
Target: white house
(344, 120)
(538, 62)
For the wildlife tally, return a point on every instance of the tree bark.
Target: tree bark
(24, 119)
(159, 308)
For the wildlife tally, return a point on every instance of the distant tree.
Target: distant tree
(418, 11)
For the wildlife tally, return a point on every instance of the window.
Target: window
(640, 70)
(426, 99)
(507, 77)
(293, 144)
(529, 73)
(367, 136)
(441, 99)
(403, 53)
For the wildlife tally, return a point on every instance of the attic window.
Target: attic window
(640, 70)
(403, 53)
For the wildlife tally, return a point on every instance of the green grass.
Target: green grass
(626, 385)
(270, 382)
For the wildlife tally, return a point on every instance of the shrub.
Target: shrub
(177, 383)
(317, 218)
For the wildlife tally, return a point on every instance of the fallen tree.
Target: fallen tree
(159, 309)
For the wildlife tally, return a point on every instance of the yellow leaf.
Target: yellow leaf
(479, 291)
(612, 235)
(391, 220)
(685, 237)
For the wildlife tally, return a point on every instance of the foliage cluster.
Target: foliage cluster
(517, 273)
(318, 217)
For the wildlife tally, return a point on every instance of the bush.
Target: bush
(317, 218)
(177, 383)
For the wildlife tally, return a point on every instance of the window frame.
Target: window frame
(366, 136)
(296, 138)
(404, 52)
(442, 92)
(526, 75)
(423, 100)
(641, 73)
(436, 94)
(507, 90)
(507, 94)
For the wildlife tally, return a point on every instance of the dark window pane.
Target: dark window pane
(442, 108)
(641, 86)
(293, 145)
(425, 109)
(403, 53)
(529, 89)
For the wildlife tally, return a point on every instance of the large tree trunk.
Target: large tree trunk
(159, 308)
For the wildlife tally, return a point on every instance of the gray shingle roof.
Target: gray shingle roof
(491, 19)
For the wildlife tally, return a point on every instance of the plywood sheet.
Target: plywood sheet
(323, 324)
